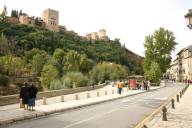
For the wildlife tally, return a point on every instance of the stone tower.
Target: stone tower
(51, 19)
(102, 34)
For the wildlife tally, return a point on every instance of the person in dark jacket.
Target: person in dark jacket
(32, 96)
(24, 95)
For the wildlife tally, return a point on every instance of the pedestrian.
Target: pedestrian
(143, 85)
(120, 85)
(24, 95)
(148, 85)
(32, 96)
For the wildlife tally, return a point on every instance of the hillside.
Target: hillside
(25, 38)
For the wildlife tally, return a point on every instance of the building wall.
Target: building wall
(185, 65)
(94, 36)
(12, 20)
(102, 34)
(51, 19)
(88, 36)
(24, 19)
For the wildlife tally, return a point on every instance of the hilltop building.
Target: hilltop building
(51, 19)
(25, 19)
(88, 36)
(101, 35)
(12, 20)
(94, 36)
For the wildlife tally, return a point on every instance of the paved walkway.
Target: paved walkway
(12, 113)
(181, 116)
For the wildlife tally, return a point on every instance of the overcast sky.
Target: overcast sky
(129, 20)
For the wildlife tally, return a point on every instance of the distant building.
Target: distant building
(94, 36)
(88, 36)
(51, 19)
(181, 69)
(101, 35)
(25, 19)
(12, 20)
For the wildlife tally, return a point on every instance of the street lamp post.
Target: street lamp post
(188, 18)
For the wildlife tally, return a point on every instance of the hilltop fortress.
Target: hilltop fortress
(50, 20)
(101, 35)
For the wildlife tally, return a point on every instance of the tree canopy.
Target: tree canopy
(158, 48)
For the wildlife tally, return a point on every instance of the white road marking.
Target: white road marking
(162, 98)
(123, 101)
(93, 117)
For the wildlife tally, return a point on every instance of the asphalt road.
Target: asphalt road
(122, 113)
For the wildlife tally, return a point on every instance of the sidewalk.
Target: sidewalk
(181, 116)
(12, 113)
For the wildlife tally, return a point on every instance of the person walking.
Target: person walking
(24, 95)
(120, 85)
(32, 96)
(148, 85)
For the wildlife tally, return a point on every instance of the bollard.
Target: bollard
(97, 94)
(44, 101)
(105, 92)
(88, 95)
(177, 98)
(164, 110)
(62, 98)
(127, 89)
(21, 103)
(173, 103)
(180, 95)
(112, 91)
(77, 97)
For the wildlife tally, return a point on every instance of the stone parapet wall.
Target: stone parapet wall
(11, 99)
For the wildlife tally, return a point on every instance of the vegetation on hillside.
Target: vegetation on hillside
(57, 56)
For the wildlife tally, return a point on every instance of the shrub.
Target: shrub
(77, 78)
(107, 71)
(56, 85)
(66, 82)
(4, 80)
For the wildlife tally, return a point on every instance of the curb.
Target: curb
(43, 114)
(143, 123)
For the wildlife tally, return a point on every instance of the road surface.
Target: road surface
(122, 113)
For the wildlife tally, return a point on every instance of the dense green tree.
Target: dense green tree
(58, 55)
(38, 62)
(158, 48)
(14, 13)
(48, 74)
(12, 66)
(73, 61)
(4, 46)
(154, 74)
(30, 54)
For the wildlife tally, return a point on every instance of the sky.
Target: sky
(128, 20)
